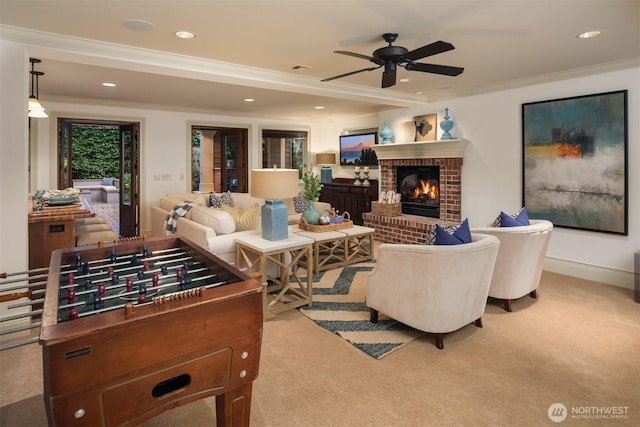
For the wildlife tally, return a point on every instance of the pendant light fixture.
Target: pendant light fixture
(35, 109)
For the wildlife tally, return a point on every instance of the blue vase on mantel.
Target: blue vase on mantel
(446, 125)
(386, 133)
(311, 215)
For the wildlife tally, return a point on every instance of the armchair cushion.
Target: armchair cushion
(460, 235)
(517, 219)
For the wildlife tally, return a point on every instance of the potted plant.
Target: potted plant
(312, 187)
(231, 157)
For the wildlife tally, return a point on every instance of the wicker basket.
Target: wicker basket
(346, 223)
(386, 209)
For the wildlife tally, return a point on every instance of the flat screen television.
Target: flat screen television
(356, 149)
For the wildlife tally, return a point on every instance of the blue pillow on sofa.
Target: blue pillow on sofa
(461, 235)
(514, 221)
(108, 181)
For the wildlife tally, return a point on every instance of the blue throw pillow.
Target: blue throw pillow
(460, 236)
(519, 220)
(107, 181)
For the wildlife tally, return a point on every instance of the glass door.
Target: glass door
(129, 181)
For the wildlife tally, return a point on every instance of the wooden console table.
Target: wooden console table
(355, 199)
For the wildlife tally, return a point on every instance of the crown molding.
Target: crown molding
(442, 149)
(91, 52)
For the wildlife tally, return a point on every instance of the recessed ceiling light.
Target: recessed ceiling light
(418, 93)
(405, 80)
(108, 84)
(589, 34)
(319, 107)
(138, 25)
(185, 35)
(249, 100)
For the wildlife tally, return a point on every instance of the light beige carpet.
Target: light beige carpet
(578, 344)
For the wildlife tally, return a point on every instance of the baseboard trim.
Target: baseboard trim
(610, 276)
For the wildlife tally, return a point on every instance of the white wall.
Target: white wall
(14, 91)
(492, 170)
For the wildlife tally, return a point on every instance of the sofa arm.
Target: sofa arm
(158, 218)
(199, 234)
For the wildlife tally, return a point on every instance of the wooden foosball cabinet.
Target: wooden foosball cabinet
(130, 330)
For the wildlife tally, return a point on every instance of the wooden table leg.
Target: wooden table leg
(233, 408)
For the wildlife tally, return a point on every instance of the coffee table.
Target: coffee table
(333, 249)
(291, 256)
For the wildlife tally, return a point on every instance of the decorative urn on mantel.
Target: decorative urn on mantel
(386, 133)
(446, 125)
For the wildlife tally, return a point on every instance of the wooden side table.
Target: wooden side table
(289, 255)
(359, 244)
(329, 249)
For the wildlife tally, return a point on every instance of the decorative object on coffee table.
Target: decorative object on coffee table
(446, 125)
(312, 187)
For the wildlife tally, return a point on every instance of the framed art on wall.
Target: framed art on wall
(426, 127)
(574, 166)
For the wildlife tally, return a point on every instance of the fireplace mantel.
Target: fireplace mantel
(452, 148)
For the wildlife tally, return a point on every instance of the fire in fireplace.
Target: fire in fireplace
(420, 190)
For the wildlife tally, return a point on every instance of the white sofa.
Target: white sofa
(433, 288)
(520, 259)
(200, 223)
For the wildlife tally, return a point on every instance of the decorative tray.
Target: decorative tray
(347, 223)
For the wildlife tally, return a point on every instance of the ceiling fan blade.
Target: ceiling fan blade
(435, 69)
(388, 78)
(359, 55)
(349, 74)
(428, 50)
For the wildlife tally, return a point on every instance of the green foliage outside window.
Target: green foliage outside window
(95, 151)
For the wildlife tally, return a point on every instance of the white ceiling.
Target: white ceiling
(247, 49)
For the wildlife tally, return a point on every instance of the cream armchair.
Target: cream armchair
(520, 259)
(436, 289)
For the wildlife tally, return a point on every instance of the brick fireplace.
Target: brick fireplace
(413, 229)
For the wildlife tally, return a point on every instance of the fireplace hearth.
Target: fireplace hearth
(419, 187)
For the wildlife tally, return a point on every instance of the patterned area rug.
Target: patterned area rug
(339, 306)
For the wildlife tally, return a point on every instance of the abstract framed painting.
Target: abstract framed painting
(574, 162)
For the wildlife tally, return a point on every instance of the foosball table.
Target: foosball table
(130, 330)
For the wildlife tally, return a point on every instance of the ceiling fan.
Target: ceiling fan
(390, 57)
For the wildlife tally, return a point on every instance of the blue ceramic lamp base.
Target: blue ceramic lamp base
(275, 220)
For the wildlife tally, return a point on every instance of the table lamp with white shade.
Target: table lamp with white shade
(274, 185)
(325, 160)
